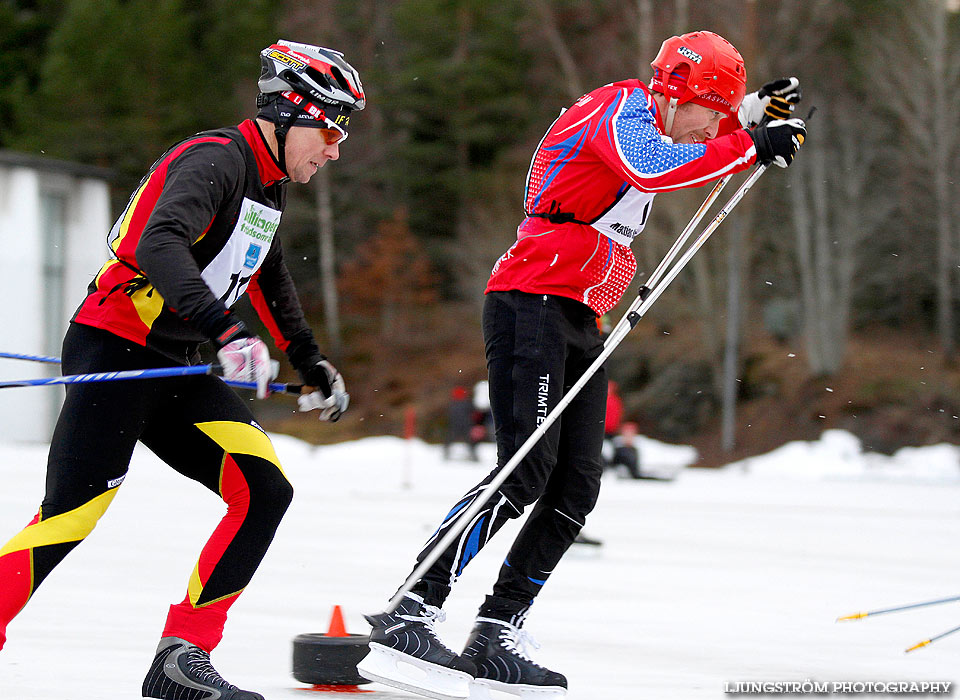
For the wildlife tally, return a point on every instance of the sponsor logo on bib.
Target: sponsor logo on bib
(253, 254)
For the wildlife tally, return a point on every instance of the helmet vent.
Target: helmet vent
(318, 76)
(340, 78)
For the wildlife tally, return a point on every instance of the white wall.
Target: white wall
(27, 414)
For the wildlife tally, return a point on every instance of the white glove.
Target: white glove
(332, 405)
(247, 360)
(776, 100)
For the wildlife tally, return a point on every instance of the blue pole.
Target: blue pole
(112, 376)
(275, 387)
(32, 358)
(884, 611)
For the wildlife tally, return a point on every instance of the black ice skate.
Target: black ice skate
(406, 653)
(498, 649)
(182, 671)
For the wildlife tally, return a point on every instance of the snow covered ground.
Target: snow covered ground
(717, 577)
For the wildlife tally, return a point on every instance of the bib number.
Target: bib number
(229, 273)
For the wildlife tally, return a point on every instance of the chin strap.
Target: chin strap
(281, 137)
(671, 113)
(280, 128)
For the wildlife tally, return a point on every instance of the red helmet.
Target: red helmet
(702, 67)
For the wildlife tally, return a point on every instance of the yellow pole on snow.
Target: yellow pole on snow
(861, 615)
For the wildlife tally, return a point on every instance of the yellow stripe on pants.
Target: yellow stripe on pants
(71, 526)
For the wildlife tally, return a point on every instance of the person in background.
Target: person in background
(614, 413)
(483, 418)
(197, 234)
(460, 423)
(588, 194)
(619, 447)
(625, 451)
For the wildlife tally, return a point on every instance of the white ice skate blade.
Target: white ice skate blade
(399, 670)
(483, 689)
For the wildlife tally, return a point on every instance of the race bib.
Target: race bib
(230, 272)
(625, 220)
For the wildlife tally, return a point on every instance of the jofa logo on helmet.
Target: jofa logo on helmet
(287, 59)
(692, 55)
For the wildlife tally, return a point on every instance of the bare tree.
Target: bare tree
(312, 17)
(559, 47)
(646, 39)
(834, 212)
(736, 301)
(818, 281)
(731, 355)
(920, 63)
(326, 256)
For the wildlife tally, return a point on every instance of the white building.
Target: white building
(54, 220)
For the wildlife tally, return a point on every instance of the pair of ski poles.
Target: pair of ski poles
(126, 375)
(899, 608)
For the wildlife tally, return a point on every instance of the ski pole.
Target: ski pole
(884, 611)
(920, 645)
(274, 387)
(678, 244)
(634, 313)
(111, 376)
(158, 373)
(32, 358)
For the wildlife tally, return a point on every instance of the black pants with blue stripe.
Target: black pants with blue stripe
(537, 347)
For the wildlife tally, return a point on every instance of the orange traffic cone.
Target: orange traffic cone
(337, 628)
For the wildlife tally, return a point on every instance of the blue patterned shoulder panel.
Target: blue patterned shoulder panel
(642, 145)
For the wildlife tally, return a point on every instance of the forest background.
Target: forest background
(829, 299)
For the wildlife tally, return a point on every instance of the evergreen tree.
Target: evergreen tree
(125, 80)
(24, 30)
(460, 96)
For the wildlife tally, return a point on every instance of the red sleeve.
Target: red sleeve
(631, 144)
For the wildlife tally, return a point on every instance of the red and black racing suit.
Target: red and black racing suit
(198, 232)
(588, 194)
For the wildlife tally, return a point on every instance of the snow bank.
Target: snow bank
(839, 454)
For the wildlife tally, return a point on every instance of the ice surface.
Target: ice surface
(719, 576)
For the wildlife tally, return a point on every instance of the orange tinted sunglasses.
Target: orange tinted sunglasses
(332, 136)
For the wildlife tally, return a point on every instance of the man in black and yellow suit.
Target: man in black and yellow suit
(198, 233)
